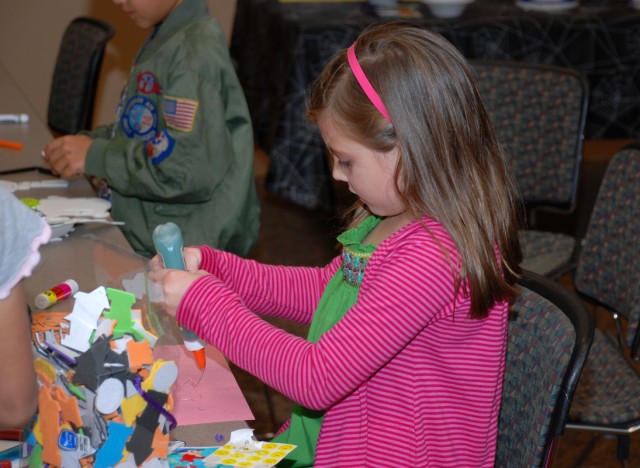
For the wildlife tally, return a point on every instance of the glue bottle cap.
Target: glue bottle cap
(73, 285)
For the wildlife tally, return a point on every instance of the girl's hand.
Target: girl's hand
(174, 284)
(192, 258)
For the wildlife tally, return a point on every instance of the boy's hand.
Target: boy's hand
(66, 155)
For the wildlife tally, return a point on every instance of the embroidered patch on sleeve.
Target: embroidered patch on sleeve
(180, 113)
(160, 147)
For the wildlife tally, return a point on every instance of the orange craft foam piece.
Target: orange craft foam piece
(50, 427)
(144, 373)
(69, 407)
(160, 444)
(45, 321)
(114, 416)
(44, 378)
(140, 354)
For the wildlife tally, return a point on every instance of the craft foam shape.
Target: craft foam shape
(46, 370)
(139, 444)
(71, 458)
(48, 321)
(112, 450)
(36, 433)
(121, 302)
(68, 406)
(154, 462)
(161, 377)
(150, 337)
(109, 396)
(139, 353)
(149, 416)
(146, 424)
(105, 328)
(130, 389)
(75, 390)
(128, 461)
(160, 444)
(97, 427)
(35, 458)
(84, 318)
(55, 207)
(136, 285)
(49, 415)
(91, 369)
(120, 345)
(137, 323)
(65, 353)
(131, 407)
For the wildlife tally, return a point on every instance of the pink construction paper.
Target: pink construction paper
(204, 397)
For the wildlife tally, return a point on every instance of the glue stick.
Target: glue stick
(51, 296)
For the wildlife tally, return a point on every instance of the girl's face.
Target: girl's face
(369, 174)
(147, 13)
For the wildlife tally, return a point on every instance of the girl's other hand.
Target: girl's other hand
(174, 284)
(156, 263)
(191, 256)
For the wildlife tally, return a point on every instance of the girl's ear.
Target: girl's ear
(400, 174)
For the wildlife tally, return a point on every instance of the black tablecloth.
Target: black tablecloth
(281, 47)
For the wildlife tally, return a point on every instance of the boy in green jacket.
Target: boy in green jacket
(181, 145)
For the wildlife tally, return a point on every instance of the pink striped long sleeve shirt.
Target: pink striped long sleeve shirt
(405, 377)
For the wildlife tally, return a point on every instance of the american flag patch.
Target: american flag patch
(180, 113)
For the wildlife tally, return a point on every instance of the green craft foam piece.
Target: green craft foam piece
(35, 458)
(77, 391)
(120, 311)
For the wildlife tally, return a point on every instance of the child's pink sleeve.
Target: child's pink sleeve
(280, 291)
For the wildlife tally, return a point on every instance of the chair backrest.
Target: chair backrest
(608, 270)
(539, 113)
(550, 332)
(75, 77)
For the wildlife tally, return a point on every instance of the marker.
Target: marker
(167, 239)
(16, 145)
(56, 294)
(14, 118)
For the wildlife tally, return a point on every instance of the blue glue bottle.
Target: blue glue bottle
(167, 239)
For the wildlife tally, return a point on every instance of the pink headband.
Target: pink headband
(364, 82)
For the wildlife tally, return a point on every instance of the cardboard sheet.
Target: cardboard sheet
(204, 397)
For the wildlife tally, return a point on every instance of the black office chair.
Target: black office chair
(75, 77)
(549, 334)
(607, 399)
(539, 113)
